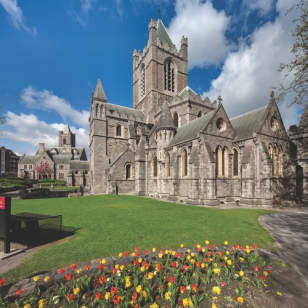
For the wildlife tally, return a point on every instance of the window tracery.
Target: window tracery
(169, 72)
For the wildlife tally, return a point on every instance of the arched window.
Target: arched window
(64, 140)
(142, 80)
(176, 119)
(169, 70)
(119, 131)
(96, 110)
(199, 114)
(154, 166)
(167, 164)
(184, 163)
(235, 162)
(280, 160)
(225, 162)
(219, 162)
(101, 112)
(128, 171)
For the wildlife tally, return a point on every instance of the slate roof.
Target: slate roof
(28, 159)
(165, 119)
(62, 159)
(121, 111)
(163, 34)
(246, 124)
(79, 164)
(191, 130)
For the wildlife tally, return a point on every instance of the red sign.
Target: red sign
(2, 203)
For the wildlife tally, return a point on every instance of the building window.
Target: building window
(30, 167)
(129, 171)
(61, 175)
(199, 114)
(167, 164)
(96, 110)
(235, 162)
(184, 163)
(142, 81)
(61, 167)
(176, 119)
(276, 155)
(119, 131)
(64, 140)
(154, 166)
(169, 70)
(225, 162)
(219, 163)
(25, 167)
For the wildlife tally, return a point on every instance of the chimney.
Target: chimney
(41, 147)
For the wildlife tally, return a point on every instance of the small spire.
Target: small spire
(219, 100)
(272, 94)
(99, 91)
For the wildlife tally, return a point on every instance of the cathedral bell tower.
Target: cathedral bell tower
(159, 71)
(66, 138)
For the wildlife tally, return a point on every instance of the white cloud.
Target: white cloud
(46, 100)
(249, 74)
(205, 28)
(82, 16)
(16, 15)
(27, 128)
(264, 6)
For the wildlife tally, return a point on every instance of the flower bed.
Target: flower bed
(205, 276)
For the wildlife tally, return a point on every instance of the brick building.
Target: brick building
(8, 162)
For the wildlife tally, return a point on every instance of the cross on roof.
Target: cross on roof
(219, 99)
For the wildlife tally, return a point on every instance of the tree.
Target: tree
(298, 67)
(43, 169)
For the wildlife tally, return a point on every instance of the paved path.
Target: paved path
(290, 230)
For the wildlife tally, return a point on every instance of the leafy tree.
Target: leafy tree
(298, 67)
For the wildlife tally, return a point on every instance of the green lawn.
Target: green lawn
(110, 224)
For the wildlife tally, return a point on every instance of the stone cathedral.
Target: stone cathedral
(177, 146)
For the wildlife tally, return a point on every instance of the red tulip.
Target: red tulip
(68, 276)
(2, 282)
(98, 295)
(70, 297)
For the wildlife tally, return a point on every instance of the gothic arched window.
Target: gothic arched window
(176, 119)
(142, 80)
(96, 110)
(119, 131)
(128, 171)
(167, 164)
(184, 163)
(64, 140)
(169, 72)
(154, 166)
(219, 161)
(225, 162)
(235, 162)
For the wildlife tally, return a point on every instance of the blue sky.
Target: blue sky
(52, 52)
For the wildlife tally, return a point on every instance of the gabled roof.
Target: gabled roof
(187, 90)
(191, 130)
(246, 124)
(130, 113)
(163, 34)
(165, 119)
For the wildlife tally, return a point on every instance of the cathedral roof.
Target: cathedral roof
(99, 91)
(191, 130)
(246, 124)
(79, 164)
(303, 123)
(121, 111)
(28, 159)
(163, 34)
(62, 159)
(165, 120)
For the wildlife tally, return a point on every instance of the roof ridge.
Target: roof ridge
(188, 88)
(124, 107)
(248, 112)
